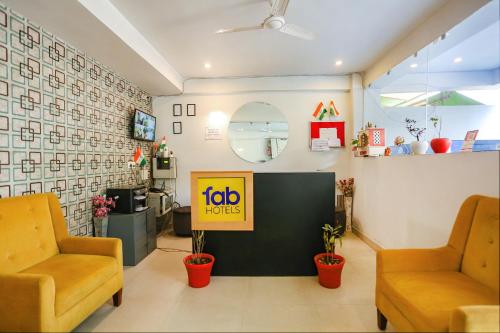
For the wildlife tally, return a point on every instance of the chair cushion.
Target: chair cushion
(75, 276)
(426, 299)
(26, 232)
(481, 256)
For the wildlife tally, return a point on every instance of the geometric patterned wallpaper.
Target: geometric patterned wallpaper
(65, 120)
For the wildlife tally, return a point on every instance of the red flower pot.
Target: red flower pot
(440, 145)
(329, 276)
(199, 274)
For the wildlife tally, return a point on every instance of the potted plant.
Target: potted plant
(198, 264)
(417, 147)
(355, 145)
(439, 145)
(329, 264)
(100, 209)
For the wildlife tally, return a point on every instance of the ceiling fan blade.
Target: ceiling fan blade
(296, 31)
(278, 7)
(224, 31)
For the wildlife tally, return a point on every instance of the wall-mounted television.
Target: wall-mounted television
(144, 126)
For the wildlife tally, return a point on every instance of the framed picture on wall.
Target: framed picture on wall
(177, 110)
(191, 110)
(177, 127)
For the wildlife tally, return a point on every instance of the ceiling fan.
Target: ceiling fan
(276, 21)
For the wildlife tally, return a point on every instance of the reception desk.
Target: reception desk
(289, 211)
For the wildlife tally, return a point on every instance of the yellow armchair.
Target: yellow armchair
(50, 281)
(453, 288)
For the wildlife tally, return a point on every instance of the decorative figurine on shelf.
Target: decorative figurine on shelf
(387, 151)
(371, 141)
(100, 209)
(399, 143)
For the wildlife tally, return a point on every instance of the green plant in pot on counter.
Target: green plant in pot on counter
(198, 264)
(439, 145)
(418, 147)
(329, 264)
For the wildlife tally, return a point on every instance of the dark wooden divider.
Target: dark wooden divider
(290, 209)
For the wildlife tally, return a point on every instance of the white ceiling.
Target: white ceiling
(479, 52)
(356, 31)
(69, 20)
(476, 40)
(179, 35)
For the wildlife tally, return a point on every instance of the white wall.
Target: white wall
(296, 97)
(412, 201)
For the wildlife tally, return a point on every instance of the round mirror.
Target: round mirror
(258, 132)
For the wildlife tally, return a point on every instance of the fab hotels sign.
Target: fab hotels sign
(222, 200)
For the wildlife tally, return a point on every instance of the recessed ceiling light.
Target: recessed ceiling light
(415, 65)
(338, 62)
(208, 65)
(457, 60)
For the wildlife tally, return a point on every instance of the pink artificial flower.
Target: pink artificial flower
(101, 205)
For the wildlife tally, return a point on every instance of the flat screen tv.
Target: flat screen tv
(144, 126)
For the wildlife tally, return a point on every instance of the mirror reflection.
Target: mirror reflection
(258, 132)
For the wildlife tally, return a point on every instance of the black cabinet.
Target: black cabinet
(137, 232)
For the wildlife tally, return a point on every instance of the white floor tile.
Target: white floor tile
(157, 298)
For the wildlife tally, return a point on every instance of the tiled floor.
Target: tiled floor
(156, 298)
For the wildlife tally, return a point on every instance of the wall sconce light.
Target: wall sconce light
(217, 119)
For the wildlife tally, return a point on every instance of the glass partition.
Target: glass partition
(448, 88)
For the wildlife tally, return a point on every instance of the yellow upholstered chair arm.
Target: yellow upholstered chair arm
(418, 260)
(475, 318)
(110, 247)
(27, 302)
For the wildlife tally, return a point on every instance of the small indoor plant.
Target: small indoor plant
(329, 264)
(417, 147)
(355, 145)
(439, 145)
(198, 264)
(100, 209)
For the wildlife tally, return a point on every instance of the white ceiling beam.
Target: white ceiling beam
(445, 18)
(110, 16)
(443, 81)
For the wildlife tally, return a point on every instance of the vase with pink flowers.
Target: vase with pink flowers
(101, 206)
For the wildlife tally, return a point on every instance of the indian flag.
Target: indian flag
(333, 109)
(139, 159)
(163, 144)
(323, 113)
(318, 109)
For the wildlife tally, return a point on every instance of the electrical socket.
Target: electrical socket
(130, 164)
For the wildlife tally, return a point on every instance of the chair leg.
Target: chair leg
(381, 320)
(117, 298)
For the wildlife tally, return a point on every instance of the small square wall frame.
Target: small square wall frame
(191, 110)
(177, 127)
(177, 110)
